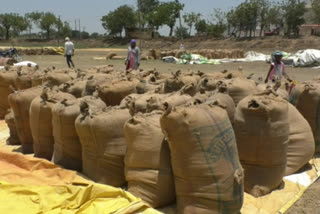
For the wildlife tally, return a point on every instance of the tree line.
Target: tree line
(242, 20)
(51, 26)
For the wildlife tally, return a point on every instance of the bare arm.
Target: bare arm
(271, 67)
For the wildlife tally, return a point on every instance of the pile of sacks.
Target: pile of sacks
(208, 53)
(198, 139)
(39, 51)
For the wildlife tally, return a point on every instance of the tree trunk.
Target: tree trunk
(7, 33)
(261, 29)
(48, 34)
(171, 30)
(190, 30)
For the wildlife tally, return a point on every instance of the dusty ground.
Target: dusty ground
(308, 204)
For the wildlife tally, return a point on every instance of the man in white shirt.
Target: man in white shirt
(69, 51)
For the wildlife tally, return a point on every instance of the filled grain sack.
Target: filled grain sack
(207, 84)
(204, 157)
(75, 87)
(103, 144)
(7, 79)
(280, 91)
(24, 77)
(13, 137)
(295, 94)
(262, 131)
(113, 92)
(67, 147)
(178, 80)
(57, 77)
(147, 161)
(309, 106)
(41, 121)
(239, 88)
(301, 141)
(140, 103)
(223, 100)
(20, 102)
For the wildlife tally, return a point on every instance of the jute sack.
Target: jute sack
(301, 141)
(103, 144)
(147, 161)
(295, 94)
(7, 79)
(239, 88)
(204, 157)
(13, 138)
(67, 147)
(40, 121)
(56, 78)
(112, 93)
(262, 130)
(309, 106)
(140, 104)
(75, 87)
(281, 92)
(20, 102)
(225, 101)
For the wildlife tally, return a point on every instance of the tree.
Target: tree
(85, 35)
(294, 11)
(316, 11)
(123, 18)
(172, 11)
(181, 32)
(191, 19)
(64, 29)
(33, 18)
(201, 26)
(48, 23)
(12, 23)
(95, 35)
(147, 8)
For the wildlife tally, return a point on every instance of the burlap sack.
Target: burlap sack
(262, 130)
(204, 157)
(67, 148)
(239, 88)
(224, 101)
(75, 87)
(20, 103)
(13, 138)
(112, 93)
(295, 94)
(7, 79)
(281, 92)
(147, 161)
(301, 141)
(177, 81)
(56, 78)
(103, 144)
(309, 106)
(140, 104)
(41, 121)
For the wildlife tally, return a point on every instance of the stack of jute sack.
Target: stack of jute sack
(208, 53)
(198, 139)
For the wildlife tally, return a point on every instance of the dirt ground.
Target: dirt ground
(310, 201)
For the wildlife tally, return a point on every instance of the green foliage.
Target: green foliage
(201, 26)
(294, 11)
(191, 19)
(12, 24)
(316, 11)
(64, 29)
(123, 18)
(48, 23)
(181, 32)
(85, 35)
(95, 35)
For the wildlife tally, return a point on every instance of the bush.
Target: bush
(182, 32)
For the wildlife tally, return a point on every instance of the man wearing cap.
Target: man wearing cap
(277, 69)
(69, 51)
(133, 56)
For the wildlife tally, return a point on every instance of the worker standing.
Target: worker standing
(277, 69)
(69, 52)
(133, 56)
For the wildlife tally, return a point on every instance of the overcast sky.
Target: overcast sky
(91, 11)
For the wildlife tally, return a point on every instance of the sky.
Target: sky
(90, 11)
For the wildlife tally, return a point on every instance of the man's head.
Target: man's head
(133, 43)
(278, 56)
(67, 39)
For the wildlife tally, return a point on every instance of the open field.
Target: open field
(309, 203)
